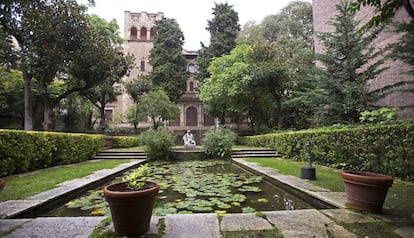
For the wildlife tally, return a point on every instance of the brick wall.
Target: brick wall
(324, 11)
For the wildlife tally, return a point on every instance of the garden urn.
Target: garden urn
(131, 210)
(366, 191)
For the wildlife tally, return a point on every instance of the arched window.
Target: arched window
(133, 33)
(191, 86)
(191, 116)
(152, 33)
(143, 33)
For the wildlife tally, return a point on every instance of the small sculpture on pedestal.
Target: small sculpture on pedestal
(189, 142)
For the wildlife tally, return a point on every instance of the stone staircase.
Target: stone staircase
(264, 153)
(108, 154)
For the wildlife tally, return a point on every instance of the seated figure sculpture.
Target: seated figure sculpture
(188, 139)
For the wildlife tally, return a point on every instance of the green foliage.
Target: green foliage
(157, 143)
(342, 82)
(136, 178)
(386, 149)
(158, 107)
(223, 29)
(169, 66)
(125, 141)
(382, 115)
(218, 142)
(22, 151)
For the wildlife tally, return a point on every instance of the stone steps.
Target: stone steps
(120, 155)
(264, 153)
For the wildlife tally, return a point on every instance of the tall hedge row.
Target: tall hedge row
(23, 151)
(387, 149)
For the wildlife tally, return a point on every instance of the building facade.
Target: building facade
(325, 10)
(138, 41)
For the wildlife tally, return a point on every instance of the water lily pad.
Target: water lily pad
(248, 210)
(263, 200)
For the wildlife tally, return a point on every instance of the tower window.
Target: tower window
(143, 33)
(152, 33)
(133, 33)
(142, 65)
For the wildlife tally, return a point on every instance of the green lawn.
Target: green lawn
(399, 200)
(24, 185)
(325, 177)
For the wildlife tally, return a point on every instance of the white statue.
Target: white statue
(188, 139)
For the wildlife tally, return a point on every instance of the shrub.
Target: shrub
(387, 149)
(125, 141)
(382, 115)
(157, 143)
(23, 151)
(218, 142)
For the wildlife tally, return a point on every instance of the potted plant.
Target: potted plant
(131, 202)
(366, 191)
(2, 184)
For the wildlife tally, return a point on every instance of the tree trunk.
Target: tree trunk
(102, 123)
(28, 107)
(47, 115)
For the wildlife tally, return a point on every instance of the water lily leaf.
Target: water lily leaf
(235, 204)
(220, 212)
(248, 210)
(263, 200)
(247, 188)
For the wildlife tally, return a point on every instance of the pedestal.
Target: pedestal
(308, 173)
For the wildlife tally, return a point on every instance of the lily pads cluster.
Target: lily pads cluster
(190, 187)
(197, 186)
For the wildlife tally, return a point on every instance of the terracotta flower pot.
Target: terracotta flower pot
(131, 210)
(2, 184)
(366, 191)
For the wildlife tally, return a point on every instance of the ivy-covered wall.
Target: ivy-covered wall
(23, 151)
(386, 149)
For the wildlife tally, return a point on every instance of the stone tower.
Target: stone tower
(138, 40)
(324, 11)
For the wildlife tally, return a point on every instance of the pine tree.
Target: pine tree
(349, 61)
(169, 65)
(223, 29)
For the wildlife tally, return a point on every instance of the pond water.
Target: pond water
(205, 186)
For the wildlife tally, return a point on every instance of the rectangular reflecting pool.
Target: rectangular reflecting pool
(202, 186)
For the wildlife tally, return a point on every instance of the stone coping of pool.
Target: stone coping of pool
(292, 224)
(297, 186)
(66, 190)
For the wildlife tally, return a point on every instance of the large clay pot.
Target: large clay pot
(131, 210)
(2, 184)
(366, 191)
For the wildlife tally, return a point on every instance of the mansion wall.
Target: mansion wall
(324, 11)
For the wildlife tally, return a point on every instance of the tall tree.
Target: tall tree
(226, 91)
(169, 65)
(137, 89)
(223, 29)
(343, 77)
(113, 68)
(49, 34)
(292, 30)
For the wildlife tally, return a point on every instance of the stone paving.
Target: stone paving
(291, 224)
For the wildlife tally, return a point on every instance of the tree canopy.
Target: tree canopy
(169, 65)
(223, 29)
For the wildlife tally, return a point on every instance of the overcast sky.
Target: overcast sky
(191, 15)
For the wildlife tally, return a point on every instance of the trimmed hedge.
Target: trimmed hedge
(23, 151)
(386, 149)
(125, 141)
